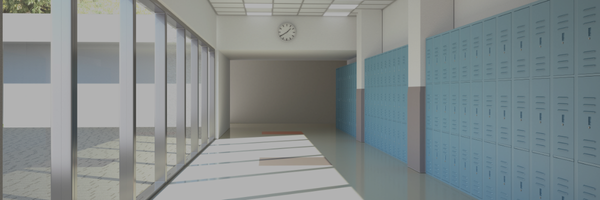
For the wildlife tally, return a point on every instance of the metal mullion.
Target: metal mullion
(211, 94)
(180, 60)
(195, 100)
(1, 103)
(204, 94)
(64, 100)
(160, 89)
(127, 129)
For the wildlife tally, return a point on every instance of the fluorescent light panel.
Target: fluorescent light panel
(258, 5)
(286, 5)
(228, 5)
(259, 13)
(342, 6)
(336, 14)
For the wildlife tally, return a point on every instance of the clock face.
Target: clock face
(287, 32)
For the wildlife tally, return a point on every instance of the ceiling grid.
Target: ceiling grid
(296, 7)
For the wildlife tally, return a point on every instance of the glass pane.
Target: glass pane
(144, 99)
(27, 103)
(171, 98)
(188, 96)
(98, 99)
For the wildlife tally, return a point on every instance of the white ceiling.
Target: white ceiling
(295, 7)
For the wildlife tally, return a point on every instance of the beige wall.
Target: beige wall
(283, 91)
(223, 91)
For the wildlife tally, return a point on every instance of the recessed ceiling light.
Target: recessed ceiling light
(343, 6)
(258, 5)
(343, 14)
(260, 13)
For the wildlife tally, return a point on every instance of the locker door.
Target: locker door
(562, 37)
(521, 114)
(454, 40)
(436, 108)
(477, 168)
(540, 115)
(444, 157)
(562, 179)
(588, 182)
(489, 171)
(428, 63)
(476, 110)
(504, 112)
(476, 51)
(465, 55)
(436, 58)
(489, 111)
(455, 160)
(444, 57)
(445, 104)
(520, 175)
(504, 174)
(503, 55)
(454, 109)
(562, 117)
(540, 176)
(588, 119)
(465, 109)
(465, 163)
(540, 38)
(489, 49)
(587, 37)
(520, 40)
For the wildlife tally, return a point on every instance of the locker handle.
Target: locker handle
(540, 42)
(521, 186)
(540, 193)
(476, 111)
(563, 120)
(490, 113)
(521, 45)
(476, 53)
(540, 118)
(490, 174)
(504, 114)
(563, 38)
(521, 115)
(490, 51)
(476, 169)
(504, 48)
(589, 122)
(589, 33)
(504, 180)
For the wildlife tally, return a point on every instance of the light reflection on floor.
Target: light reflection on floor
(229, 169)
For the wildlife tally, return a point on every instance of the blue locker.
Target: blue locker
(588, 119)
(436, 108)
(562, 179)
(588, 183)
(540, 39)
(428, 63)
(489, 111)
(454, 109)
(503, 47)
(436, 59)
(443, 63)
(562, 37)
(521, 114)
(476, 110)
(444, 105)
(504, 128)
(453, 41)
(489, 49)
(504, 173)
(454, 159)
(477, 168)
(489, 171)
(588, 38)
(465, 163)
(520, 41)
(444, 157)
(540, 115)
(520, 175)
(540, 176)
(464, 53)
(562, 116)
(476, 40)
(465, 89)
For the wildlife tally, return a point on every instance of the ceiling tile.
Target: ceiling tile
(319, 14)
(228, 5)
(284, 14)
(372, 6)
(258, 9)
(318, 1)
(258, 1)
(315, 5)
(226, 1)
(340, 10)
(288, 1)
(376, 2)
(229, 9)
(287, 10)
(312, 10)
(286, 5)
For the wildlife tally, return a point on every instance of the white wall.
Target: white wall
(255, 37)
(198, 15)
(469, 11)
(223, 93)
(395, 25)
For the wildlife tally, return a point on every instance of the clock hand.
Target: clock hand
(285, 32)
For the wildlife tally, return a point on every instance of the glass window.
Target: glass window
(171, 98)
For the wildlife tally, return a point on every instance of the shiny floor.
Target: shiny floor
(231, 169)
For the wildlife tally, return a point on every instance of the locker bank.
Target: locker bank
(300, 99)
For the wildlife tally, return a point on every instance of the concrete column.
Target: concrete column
(369, 25)
(425, 18)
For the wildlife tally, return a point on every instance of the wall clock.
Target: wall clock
(287, 31)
